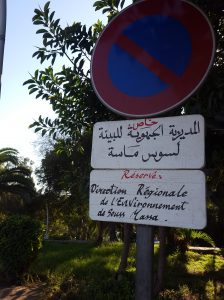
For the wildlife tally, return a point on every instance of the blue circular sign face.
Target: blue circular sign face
(151, 57)
(172, 47)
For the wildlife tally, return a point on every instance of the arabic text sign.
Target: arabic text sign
(158, 143)
(173, 198)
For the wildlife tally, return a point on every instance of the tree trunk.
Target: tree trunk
(112, 231)
(46, 236)
(125, 252)
(159, 283)
(99, 239)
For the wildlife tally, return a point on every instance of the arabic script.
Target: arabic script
(150, 141)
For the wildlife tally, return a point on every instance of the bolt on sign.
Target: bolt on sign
(173, 198)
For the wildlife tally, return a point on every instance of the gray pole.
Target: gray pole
(2, 33)
(144, 262)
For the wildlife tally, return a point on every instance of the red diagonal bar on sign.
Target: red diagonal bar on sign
(148, 61)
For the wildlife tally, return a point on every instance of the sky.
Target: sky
(18, 109)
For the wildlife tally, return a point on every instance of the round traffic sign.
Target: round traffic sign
(152, 57)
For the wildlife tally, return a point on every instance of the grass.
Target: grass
(83, 271)
(196, 276)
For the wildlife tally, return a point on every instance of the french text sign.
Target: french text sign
(158, 143)
(173, 198)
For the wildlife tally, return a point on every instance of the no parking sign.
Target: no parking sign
(152, 57)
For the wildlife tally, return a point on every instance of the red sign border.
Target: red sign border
(189, 82)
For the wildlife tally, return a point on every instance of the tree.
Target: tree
(16, 183)
(65, 177)
(69, 91)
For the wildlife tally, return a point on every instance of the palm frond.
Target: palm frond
(200, 235)
(9, 155)
(15, 179)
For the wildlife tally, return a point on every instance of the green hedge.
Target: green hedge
(20, 240)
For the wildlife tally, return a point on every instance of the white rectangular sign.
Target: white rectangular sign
(158, 143)
(173, 198)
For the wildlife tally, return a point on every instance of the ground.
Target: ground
(28, 292)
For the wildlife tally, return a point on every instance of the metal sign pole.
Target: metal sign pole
(2, 33)
(144, 262)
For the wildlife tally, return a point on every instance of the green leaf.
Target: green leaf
(38, 22)
(56, 22)
(33, 90)
(44, 131)
(116, 3)
(36, 73)
(51, 16)
(39, 95)
(41, 31)
(33, 124)
(32, 86)
(42, 59)
(53, 58)
(37, 12)
(28, 81)
(47, 35)
(36, 53)
(36, 129)
(46, 6)
(106, 10)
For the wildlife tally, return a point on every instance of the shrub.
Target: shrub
(20, 241)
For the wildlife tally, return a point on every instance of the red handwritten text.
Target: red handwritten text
(129, 174)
